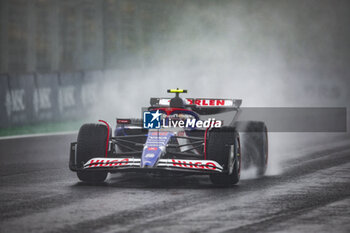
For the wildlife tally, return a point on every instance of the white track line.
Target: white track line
(38, 135)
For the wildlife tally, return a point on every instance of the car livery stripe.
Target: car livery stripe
(205, 165)
(205, 142)
(108, 129)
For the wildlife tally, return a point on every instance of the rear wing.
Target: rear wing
(202, 105)
(199, 102)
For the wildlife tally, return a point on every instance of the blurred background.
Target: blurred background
(64, 62)
(68, 62)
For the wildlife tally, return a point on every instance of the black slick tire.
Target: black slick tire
(91, 143)
(223, 146)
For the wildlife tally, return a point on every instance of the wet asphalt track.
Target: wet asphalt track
(39, 194)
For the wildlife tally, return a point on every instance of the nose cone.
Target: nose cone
(150, 156)
(155, 147)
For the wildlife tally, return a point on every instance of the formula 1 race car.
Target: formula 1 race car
(174, 136)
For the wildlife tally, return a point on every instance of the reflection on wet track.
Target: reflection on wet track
(39, 194)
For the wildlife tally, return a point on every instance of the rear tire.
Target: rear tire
(223, 146)
(254, 145)
(91, 143)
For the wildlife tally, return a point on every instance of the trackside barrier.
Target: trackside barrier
(69, 95)
(91, 89)
(47, 97)
(20, 99)
(4, 90)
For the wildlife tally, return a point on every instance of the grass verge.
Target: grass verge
(55, 127)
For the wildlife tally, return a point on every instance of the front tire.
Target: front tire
(91, 143)
(223, 146)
